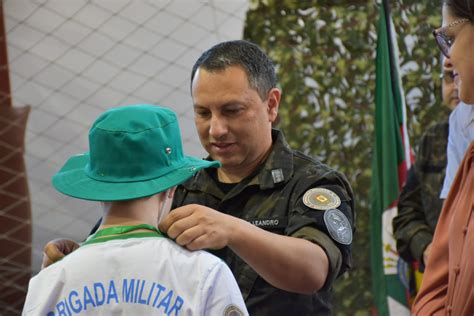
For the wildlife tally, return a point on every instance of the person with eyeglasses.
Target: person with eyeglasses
(447, 286)
(455, 40)
(419, 204)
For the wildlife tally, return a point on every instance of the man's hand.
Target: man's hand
(56, 249)
(198, 227)
(288, 263)
(426, 253)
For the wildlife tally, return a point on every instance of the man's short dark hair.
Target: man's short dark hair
(259, 68)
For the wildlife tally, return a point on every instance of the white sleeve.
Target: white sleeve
(30, 303)
(452, 154)
(44, 290)
(460, 130)
(37, 298)
(222, 294)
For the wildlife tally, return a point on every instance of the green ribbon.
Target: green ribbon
(122, 232)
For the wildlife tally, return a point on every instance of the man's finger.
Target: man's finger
(182, 225)
(189, 235)
(174, 216)
(56, 250)
(203, 242)
(72, 246)
(51, 254)
(46, 261)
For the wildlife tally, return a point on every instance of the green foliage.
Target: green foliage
(325, 57)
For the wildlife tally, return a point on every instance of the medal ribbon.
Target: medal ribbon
(122, 232)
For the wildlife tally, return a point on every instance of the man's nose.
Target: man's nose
(218, 127)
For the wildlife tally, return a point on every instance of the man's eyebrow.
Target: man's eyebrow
(227, 104)
(231, 103)
(198, 106)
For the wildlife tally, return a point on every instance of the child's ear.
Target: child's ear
(171, 192)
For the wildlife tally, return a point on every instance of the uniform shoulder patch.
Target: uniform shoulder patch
(321, 199)
(232, 310)
(338, 226)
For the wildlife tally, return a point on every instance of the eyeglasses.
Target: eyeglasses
(447, 76)
(444, 41)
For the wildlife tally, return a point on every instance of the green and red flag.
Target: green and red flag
(391, 160)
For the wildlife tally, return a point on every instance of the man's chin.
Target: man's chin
(229, 163)
(222, 159)
(226, 162)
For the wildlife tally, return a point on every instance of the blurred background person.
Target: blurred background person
(420, 204)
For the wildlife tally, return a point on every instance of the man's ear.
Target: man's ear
(273, 103)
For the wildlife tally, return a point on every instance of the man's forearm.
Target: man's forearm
(291, 264)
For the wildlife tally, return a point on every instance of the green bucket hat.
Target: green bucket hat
(134, 151)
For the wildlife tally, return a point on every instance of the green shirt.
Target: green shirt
(272, 198)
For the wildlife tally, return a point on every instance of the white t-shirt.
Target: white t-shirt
(136, 276)
(461, 134)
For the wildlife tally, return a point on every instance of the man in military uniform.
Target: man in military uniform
(282, 221)
(419, 204)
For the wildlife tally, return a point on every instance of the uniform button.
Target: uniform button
(449, 309)
(456, 269)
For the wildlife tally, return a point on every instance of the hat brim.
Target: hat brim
(73, 181)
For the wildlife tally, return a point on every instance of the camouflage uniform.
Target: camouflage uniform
(271, 198)
(419, 204)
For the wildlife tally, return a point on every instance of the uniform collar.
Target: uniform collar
(278, 167)
(275, 171)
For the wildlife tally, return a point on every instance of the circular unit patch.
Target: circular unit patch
(232, 310)
(338, 226)
(321, 199)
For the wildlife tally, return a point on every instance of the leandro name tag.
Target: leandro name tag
(269, 223)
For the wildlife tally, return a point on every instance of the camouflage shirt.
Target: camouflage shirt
(419, 204)
(272, 199)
